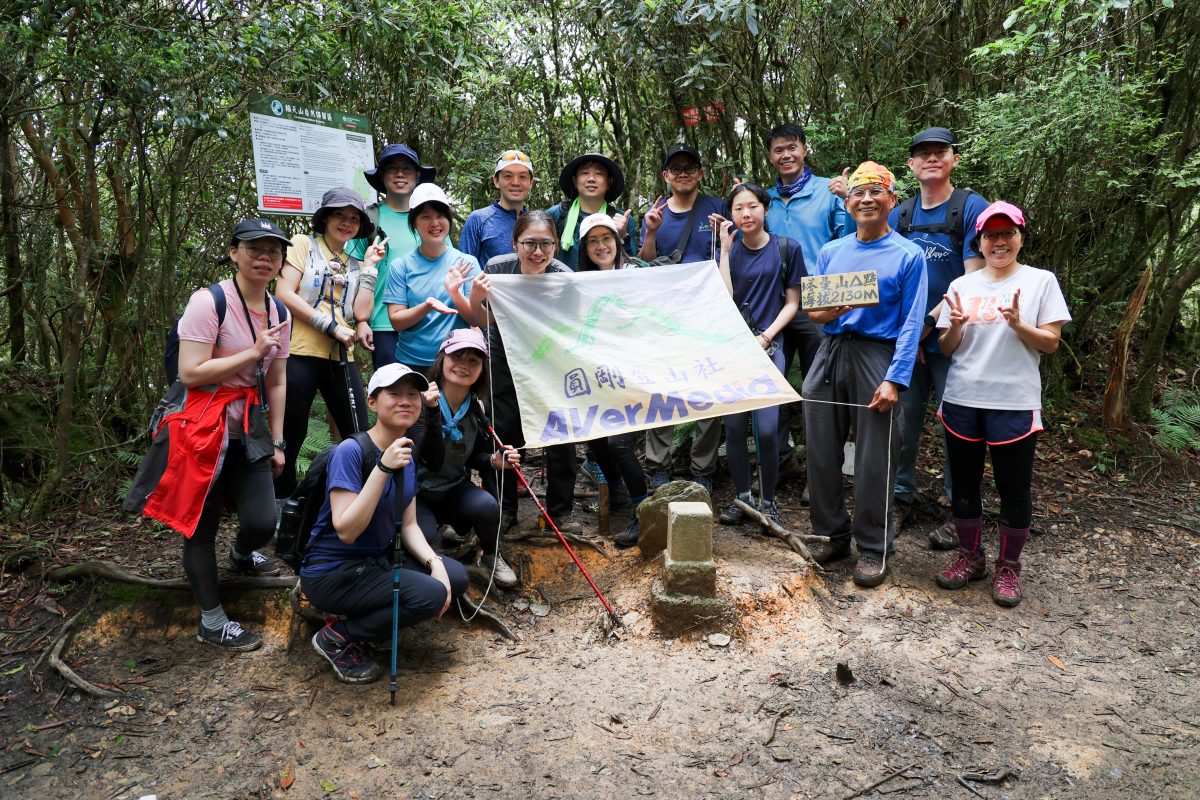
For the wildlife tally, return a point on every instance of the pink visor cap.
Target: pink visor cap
(464, 338)
(1000, 209)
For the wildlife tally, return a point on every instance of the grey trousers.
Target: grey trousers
(704, 447)
(849, 370)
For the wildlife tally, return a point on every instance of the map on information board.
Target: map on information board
(300, 151)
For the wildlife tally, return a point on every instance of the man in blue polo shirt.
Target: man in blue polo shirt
(487, 233)
(941, 221)
(866, 359)
(810, 210)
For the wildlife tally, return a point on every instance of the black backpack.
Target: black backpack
(952, 226)
(300, 511)
(171, 347)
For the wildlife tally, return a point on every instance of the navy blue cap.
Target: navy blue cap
(935, 135)
(427, 174)
(681, 149)
(250, 229)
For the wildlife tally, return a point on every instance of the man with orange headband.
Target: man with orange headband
(865, 360)
(487, 233)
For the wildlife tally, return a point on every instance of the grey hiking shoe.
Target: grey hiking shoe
(256, 565)
(230, 636)
(944, 537)
(350, 664)
(495, 564)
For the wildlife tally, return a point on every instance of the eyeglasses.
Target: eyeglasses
(873, 192)
(1006, 234)
(271, 251)
(530, 246)
(515, 157)
(397, 167)
(606, 238)
(683, 169)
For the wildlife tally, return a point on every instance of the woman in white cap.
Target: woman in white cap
(996, 324)
(347, 569)
(616, 456)
(219, 440)
(330, 295)
(417, 294)
(447, 495)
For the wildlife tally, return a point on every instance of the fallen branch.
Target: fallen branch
(775, 723)
(69, 675)
(492, 619)
(547, 537)
(792, 539)
(893, 774)
(110, 571)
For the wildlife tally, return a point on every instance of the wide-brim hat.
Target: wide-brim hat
(616, 178)
(343, 197)
(425, 174)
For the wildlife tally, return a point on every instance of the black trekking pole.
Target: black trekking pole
(397, 543)
(347, 377)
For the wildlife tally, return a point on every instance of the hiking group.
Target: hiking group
(959, 317)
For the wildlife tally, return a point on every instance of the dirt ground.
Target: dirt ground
(1087, 690)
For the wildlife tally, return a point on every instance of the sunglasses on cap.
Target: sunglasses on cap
(514, 157)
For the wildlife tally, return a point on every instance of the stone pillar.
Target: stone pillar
(685, 600)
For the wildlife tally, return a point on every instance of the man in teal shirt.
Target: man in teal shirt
(398, 173)
(811, 210)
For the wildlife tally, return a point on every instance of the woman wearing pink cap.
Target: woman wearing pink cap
(996, 324)
(447, 496)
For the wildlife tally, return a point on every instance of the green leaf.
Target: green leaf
(329, 786)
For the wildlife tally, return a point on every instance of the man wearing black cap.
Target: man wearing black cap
(591, 182)
(941, 220)
(398, 173)
(678, 228)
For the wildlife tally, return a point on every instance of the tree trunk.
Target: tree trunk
(14, 285)
(1115, 404)
(1152, 355)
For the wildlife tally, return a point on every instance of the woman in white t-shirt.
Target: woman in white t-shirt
(996, 324)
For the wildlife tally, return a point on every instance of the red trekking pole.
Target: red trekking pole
(561, 538)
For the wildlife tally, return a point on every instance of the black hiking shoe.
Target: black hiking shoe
(350, 664)
(833, 550)
(771, 511)
(733, 515)
(629, 537)
(230, 636)
(256, 565)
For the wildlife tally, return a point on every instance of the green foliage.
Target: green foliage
(1177, 423)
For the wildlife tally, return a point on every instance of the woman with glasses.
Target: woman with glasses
(995, 325)
(219, 439)
(535, 241)
(418, 290)
(762, 272)
(330, 294)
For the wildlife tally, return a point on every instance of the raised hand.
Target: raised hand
(432, 395)
(622, 222)
(375, 253)
(268, 339)
(958, 317)
(456, 276)
(725, 227)
(398, 454)
(654, 216)
(841, 184)
(1012, 313)
(482, 287)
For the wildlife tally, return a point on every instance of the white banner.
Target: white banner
(600, 353)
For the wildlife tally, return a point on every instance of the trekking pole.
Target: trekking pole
(758, 455)
(396, 545)
(347, 377)
(522, 481)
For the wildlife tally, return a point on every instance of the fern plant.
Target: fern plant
(1177, 423)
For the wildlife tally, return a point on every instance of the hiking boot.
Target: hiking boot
(256, 565)
(230, 636)
(771, 512)
(704, 481)
(591, 470)
(628, 537)
(964, 568)
(732, 515)
(659, 478)
(350, 664)
(501, 572)
(1006, 586)
(870, 570)
(566, 524)
(508, 521)
(833, 550)
(944, 537)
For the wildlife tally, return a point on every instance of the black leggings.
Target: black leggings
(306, 375)
(248, 487)
(467, 508)
(1012, 469)
(617, 457)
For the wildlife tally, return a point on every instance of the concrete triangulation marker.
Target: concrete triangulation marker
(685, 599)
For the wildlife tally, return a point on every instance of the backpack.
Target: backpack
(171, 346)
(300, 510)
(952, 226)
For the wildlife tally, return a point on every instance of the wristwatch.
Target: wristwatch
(280, 443)
(930, 322)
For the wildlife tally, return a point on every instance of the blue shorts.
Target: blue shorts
(987, 424)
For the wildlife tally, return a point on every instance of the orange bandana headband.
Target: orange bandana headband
(869, 173)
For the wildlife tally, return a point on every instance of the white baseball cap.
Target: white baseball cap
(391, 374)
(596, 221)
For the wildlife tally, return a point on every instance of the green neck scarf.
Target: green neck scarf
(568, 235)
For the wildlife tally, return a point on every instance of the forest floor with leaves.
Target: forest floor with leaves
(1086, 690)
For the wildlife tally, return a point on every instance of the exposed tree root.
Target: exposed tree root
(69, 675)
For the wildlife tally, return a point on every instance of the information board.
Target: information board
(300, 151)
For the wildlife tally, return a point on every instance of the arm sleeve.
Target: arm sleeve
(912, 309)
(843, 223)
(199, 320)
(427, 441)
(395, 288)
(345, 467)
(1053, 306)
(795, 266)
(469, 238)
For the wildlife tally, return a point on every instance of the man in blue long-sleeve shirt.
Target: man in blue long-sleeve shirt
(866, 359)
(487, 233)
